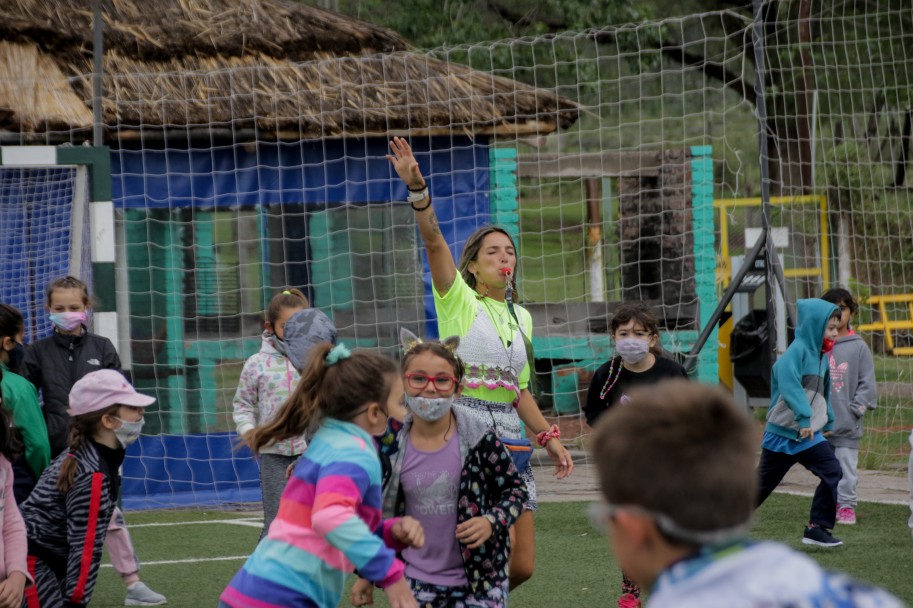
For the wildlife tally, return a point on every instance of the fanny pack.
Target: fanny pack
(520, 450)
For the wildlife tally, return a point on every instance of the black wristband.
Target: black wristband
(419, 189)
(414, 208)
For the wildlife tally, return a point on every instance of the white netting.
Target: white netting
(234, 182)
(45, 237)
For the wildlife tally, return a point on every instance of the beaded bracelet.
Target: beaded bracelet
(552, 433)
(428, 204)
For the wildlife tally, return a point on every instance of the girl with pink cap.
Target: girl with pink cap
(67, 514)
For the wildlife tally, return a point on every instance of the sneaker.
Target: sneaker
(628, 600)
(846, 515)
(138, 594)
(816, 535)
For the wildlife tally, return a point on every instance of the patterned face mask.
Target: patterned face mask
(430, 409)
(128, 432)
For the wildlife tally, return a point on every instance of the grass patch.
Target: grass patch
(574, 566)
(552, 239)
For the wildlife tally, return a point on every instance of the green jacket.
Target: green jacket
(21, 399)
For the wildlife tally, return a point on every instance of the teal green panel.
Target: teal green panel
(565, 387)
(705, 256)
(330, 265)
(505, 197)
(598, 347)
(206, 265)
(171, 362)
(103, 287)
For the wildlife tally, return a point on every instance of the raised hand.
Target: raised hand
(404, 163)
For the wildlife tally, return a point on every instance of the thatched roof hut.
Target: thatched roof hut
(277, 66)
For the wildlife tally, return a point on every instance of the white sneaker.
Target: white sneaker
(138, 594)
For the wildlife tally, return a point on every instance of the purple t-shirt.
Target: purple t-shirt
(431, 485)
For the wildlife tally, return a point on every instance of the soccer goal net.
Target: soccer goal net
(624, 159)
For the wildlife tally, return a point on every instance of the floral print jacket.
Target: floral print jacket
(266, 382)
(490, 486)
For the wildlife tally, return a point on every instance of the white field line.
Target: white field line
(189, 561)
(880, 501)
(253, 522)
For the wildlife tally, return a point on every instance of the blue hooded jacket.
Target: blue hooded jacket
(800, 379)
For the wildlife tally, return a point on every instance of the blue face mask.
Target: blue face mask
(16, 355)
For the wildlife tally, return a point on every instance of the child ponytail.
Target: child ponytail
(287, 298)
(337, 388)
(81, 429)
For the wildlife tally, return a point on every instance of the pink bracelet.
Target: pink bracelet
(552, 433)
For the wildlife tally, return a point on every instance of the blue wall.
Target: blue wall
(177, 175)
(166, 470)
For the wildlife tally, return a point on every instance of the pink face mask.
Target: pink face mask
(68, 321)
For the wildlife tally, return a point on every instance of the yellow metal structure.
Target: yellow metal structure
(724, 270)
(886, 325)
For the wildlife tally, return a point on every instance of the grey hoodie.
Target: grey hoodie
(852, 386)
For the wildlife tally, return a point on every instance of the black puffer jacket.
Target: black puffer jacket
(54, 364)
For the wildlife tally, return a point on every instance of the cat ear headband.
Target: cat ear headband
(409, 341)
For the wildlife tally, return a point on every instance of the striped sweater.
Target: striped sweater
(329, 524)
(67, 530)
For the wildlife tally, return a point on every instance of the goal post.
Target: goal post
(91, 200)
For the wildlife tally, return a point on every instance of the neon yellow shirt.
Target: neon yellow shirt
(456, 313)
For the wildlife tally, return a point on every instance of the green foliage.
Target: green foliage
(437, 23)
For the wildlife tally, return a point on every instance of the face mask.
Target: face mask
(279, 345)
(827, 345)
(128, 432)
(430, 409)
(16, 355)
(632, 350)
(68, 321)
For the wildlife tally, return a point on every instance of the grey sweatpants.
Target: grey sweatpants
(272, 483)
(846, 489)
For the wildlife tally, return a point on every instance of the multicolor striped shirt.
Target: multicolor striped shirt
(329, 525)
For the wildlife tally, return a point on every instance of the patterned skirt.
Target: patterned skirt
(506, 423)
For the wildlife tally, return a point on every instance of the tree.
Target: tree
(436, 23)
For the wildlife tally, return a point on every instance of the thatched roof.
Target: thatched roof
(277, 65)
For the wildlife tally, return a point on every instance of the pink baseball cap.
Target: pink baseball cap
(106, 387)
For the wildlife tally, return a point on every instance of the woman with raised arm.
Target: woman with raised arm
(474, 301)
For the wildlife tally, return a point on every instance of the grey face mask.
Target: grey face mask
(632, 350)
(430, 409)
(128, 432)
(279, 345)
